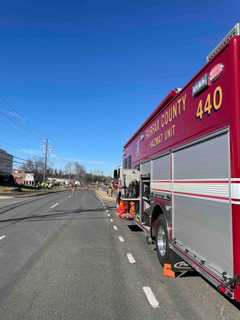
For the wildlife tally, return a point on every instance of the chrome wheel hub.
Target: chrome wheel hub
(162, 241)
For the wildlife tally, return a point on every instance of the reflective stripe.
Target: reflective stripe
(223, 190)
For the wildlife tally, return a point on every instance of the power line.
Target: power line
(12, 115)
(16, 121)
(4, 145)
(19, 162)
(20, 158)
(11, 157)
(24, 131)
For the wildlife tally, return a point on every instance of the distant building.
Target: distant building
(19, 176)
(6, 163)
(29, 179)
(59, 181)
(23, 178)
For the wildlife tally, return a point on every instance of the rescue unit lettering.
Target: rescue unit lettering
(164, 128)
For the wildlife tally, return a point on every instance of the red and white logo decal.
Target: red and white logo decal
(215, 72)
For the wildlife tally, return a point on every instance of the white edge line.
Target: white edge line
(54, 205)
(151, 297)
(130, 258)
(121, 239)
(2, 237)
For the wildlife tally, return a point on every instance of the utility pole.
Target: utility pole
(46, 149)
(70, 172)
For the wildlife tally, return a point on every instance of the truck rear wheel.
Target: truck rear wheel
(162, 243)
(165, 254)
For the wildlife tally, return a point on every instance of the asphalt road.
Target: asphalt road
(67, 256)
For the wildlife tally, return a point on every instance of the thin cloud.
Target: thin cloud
(14, 115)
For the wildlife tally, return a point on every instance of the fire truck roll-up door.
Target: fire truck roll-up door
(145, 168)
(161, 169)
(202, 220)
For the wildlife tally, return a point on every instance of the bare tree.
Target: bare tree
(69, 170)
(35, 166)
(28, 165)
(79, 171)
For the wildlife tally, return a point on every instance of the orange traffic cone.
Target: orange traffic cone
(122, 209)
(132, 208)
(168, 271)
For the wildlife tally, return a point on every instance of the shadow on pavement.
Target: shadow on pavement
(55, 214)
(134, 228)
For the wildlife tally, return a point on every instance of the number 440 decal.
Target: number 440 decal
(213, 102)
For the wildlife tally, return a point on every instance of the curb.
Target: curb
(103, 195)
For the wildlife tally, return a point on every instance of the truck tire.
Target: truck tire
(162, 244)
(165, 254)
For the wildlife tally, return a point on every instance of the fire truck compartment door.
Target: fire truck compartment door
(145, 168)
(202, 220)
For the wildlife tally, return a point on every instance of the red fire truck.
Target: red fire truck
(188, 155)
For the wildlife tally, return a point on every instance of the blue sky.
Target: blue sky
(86, 74)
